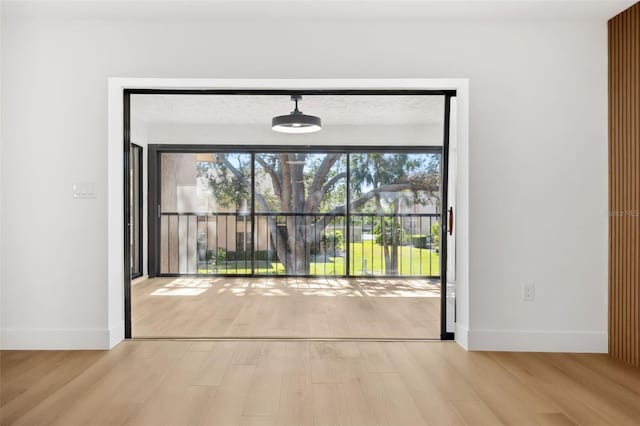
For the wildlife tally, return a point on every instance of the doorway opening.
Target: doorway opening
(299, 240)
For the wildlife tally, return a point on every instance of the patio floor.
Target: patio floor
(286, 307)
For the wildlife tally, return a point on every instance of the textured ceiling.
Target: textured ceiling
(356, 110)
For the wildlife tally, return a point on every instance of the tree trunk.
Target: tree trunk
(297, 248)
(393, 266)
(296, 257)
(279, 240)
(383, 235)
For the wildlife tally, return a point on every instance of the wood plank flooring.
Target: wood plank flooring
(286, 307)
(241, 383)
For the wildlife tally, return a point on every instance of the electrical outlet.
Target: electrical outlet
(528, 292)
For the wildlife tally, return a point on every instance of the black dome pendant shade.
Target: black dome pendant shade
(296, 121)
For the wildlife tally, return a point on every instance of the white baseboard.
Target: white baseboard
(462, 336)
(474, 340)
(54, 338)
(116, 334)
(537, 341)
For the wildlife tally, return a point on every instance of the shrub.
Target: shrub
(419, 241)
(267, 255)
(234, 256)
(435, 236)
(333, 240)
(403, 236)
(216, 258)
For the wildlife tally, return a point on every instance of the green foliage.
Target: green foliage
(419, 241)
(239, 256)
(267, 255)
(228, 178)
(373, 170)
(336, 194)
(435, 235)
(435, 230)
(333, 240)
(217, 257)
(402, 236)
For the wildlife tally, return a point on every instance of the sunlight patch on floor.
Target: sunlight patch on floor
(325, 287)
(183, 287)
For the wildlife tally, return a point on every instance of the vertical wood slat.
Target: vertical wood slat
(624, 185)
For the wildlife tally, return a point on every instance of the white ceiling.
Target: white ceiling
(356, 110)
(429, 10)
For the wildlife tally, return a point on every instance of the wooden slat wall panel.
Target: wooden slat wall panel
(624, 185)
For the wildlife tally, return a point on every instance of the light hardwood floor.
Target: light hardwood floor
(286, 307)
(313, 383)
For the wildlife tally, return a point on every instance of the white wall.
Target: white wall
(538, 156)
(1, 274)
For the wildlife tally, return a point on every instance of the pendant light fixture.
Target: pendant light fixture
(296, 121)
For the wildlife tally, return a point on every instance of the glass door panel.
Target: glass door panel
(395, 214)
(205, 213)
(300, 201)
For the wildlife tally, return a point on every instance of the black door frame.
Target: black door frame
(140, 209)
(444, 220)
(448, 94)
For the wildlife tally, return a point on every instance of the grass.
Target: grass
(409, 260)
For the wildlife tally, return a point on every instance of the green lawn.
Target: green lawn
(367, 252)
(409, 259)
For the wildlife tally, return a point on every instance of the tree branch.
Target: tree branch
(316, 190)
(233, 170)
(392, 187)
(323, 170)
(333, 181)
(285, 199)
(275, 179)
(313, 200)
(297, 180)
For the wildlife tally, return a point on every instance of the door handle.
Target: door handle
(450, 221)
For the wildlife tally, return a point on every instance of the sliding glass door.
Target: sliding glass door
(300, 203)
(394, 214)
(320, 212)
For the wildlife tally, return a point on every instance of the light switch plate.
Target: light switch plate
(528, 292)
(84, 190)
